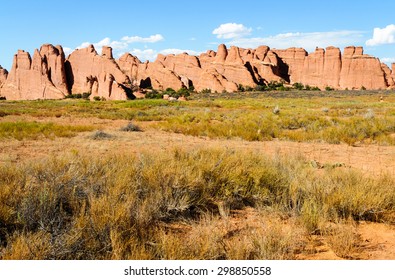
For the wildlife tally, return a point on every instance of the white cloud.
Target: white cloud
(388, 60)
(382, 36)
(231, 30)
(123, 45)
(116, 45)
(178, 51)
(308, 40)
(137, 39)
(67, 51)
(146, 54)
(151, 55)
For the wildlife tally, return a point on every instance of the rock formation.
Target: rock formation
(359, 70)
(55, 58)
(50, 76)
(88, 72)
(389, 80)
(31, 78)
(294, 59)
(3, 75)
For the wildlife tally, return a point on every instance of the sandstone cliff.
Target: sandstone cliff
(359, 70)
(88, 72)
(50, 76)
(31, 78)
(3, 76)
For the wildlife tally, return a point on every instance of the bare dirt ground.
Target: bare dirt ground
(377, 240)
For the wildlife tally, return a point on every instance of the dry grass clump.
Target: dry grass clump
(344, 240)
(144, 206)
(247, 238)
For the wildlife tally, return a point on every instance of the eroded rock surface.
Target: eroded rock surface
(3, 75)
(32, 78)
(48, 75)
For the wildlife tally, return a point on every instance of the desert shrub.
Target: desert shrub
(84, 95)
(260, 88)
(153, 94)
(299, 86)
(248, 88)
(205, 90)
(182, 92)
(274, 85)
(131, 127)
(101, 135)
(169, 91)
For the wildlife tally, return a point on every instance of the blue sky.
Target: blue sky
(146, 28)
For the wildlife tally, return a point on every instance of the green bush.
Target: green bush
(205, 90)
(182, 92)
(153, 94)
(299, 86)
(261, 88)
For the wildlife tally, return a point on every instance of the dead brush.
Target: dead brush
(131, 127)
(101, 135)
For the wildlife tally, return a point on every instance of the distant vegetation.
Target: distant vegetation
(271, 86)
(257, 116)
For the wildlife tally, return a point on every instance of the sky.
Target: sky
(148, 27)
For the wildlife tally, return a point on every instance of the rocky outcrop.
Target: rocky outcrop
(48, 75)
(157, 76)
(393, 71)
(293, 59)
(3, 75)
(98, 75)
(387, 74)
(332, 68)
(186, 66)
(359, 70)
(129, 65)
(32, 78)
(323, 68)
(55, 58)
